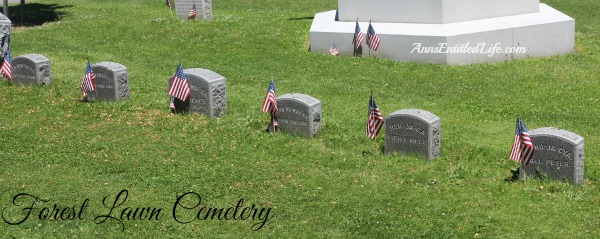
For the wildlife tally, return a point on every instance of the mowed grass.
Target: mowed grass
(335, 185)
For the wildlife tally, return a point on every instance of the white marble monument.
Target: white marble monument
(453, 32)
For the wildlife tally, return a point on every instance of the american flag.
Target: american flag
(522, 149)
(358, 36)
(6, 69)
(333, 50)
(88, 82)
(192, 14)
(270, 104)
(372, 38)
(179, 87)
(374, 119)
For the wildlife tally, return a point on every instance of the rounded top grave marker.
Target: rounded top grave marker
(559, 154)
(31, 69)
(299, 113)
(412, 131)
(208, 95)
(112, 80)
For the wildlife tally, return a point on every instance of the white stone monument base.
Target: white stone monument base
(545, 33)
(431, 11)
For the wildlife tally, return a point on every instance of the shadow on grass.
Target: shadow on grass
(514, 175)
(181, 107)
(36, 14)
(300, 18)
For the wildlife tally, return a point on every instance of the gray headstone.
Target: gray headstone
(299, 114)
(203, 9)
(412, 131)
(5, 25)
(31, 69)
(558, 154)
(208, 94)
(112, 81)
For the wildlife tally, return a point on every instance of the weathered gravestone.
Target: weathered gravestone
(558, 154)
(207, 93)
(203, 9)
(412, 131)
(5, 25)
(31, 69)
(112, 81)
(299, 114)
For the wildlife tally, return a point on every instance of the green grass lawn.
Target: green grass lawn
(335, 185)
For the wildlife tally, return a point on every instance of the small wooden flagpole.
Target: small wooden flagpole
(369, 44)
(95, 90)
(522, 173)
